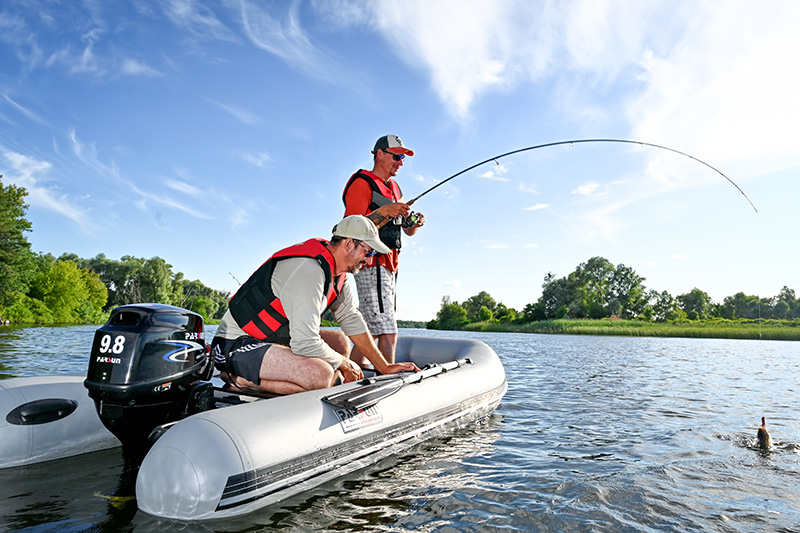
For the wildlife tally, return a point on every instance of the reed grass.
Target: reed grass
(708, 329)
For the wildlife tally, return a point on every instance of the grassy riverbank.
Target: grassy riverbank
(784, 330)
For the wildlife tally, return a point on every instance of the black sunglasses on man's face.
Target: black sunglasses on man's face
(396, 157)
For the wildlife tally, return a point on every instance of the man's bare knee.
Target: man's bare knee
(318, 375)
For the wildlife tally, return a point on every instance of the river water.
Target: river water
(594, 434)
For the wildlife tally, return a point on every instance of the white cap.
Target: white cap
(391, 143)
(363, 229)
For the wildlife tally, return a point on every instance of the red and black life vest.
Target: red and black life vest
(257, 310)
(382, 194)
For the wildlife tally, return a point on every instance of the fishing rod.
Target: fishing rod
(577, 141)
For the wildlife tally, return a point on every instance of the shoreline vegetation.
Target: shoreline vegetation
(774, 330)
(597, 298)
(758, 329)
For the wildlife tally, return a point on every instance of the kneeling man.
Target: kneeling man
(270, 337)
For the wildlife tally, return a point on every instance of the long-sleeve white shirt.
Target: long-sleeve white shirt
(299, 283)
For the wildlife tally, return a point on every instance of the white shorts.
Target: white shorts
(378, 311)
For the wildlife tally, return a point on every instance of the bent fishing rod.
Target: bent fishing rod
(577, 141)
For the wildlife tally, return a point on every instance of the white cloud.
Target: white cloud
(133, 67)
(242, 115)
(30, 173)
(452, 283)
(21, 109)
(536, 207)
(198, 20)
(182, 186)
(727, 87)
(586, 189)
(283, 36)
(260, 160)
(531, 245)
(721, 81)
(496, 173)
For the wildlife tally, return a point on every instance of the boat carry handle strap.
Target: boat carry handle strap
(373, 390)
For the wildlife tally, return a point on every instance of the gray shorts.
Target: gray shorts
(377, 304)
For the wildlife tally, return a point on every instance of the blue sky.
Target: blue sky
(212, 134)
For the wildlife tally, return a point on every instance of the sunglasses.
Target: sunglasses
(396, 157)
(370, 253)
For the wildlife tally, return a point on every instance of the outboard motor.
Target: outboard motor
(149, 366)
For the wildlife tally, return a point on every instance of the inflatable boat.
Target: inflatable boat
(46, 418)
(208, 451)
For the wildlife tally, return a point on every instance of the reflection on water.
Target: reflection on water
(595, 433)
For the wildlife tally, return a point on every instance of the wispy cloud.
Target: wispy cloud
(242, 115)
(586, 189)
(89, 156)
(21, 109)
(198, 20)
(259, 159)
(133, 67)
(536, 207)
(282, 34)
(496, 173)
(183, 187)
(30, 173)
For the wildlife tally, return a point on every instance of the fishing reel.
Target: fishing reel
(412, 219)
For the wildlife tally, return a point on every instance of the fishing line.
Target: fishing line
(529, 148)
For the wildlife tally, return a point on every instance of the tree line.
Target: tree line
(597, 289)
(42, 289)
(39, 288)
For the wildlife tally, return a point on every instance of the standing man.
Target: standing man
(375, 194)
(269, 338)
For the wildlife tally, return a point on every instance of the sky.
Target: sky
(212, 134)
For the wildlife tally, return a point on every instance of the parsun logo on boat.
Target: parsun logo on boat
(183, 352)
(106, 359)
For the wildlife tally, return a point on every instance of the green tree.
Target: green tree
(555, 295)
(98, 293)
(665, 307)
(591, 281)
(533, 312)
(782, 311)
(627, 293)
(484, 314)
(696, 304)
(155, 281)
(61, 286)
(16, 258)
(194, 293)
(505, 314)
(120, 277)
(450, 316)
(473, 304)
(786, 306)
(741, 306)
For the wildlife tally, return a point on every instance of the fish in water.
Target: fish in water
(762, 436)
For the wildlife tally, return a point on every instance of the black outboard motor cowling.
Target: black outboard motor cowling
(146, 369)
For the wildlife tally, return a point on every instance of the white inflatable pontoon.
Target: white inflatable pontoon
(49, 417)
(231, 461)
